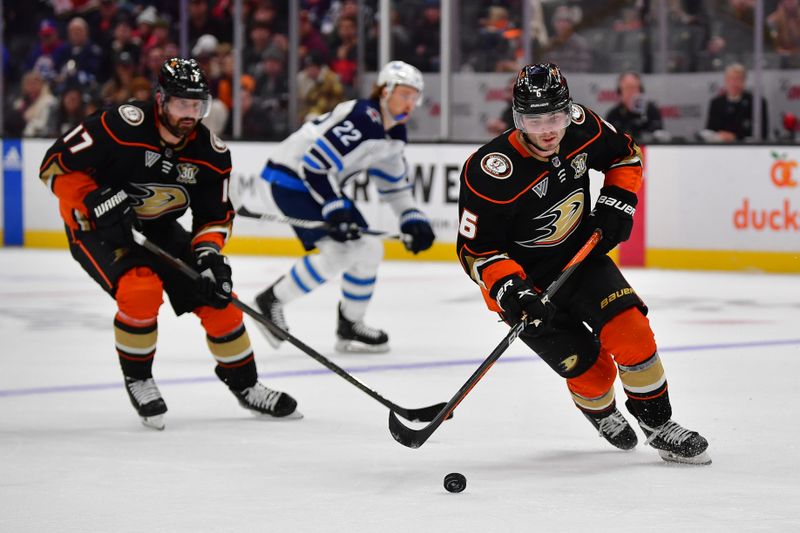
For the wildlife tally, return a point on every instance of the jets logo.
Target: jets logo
(557, 223)
(497, 165)
(151, 200)
(579, 165)
(187, 173)
(131, 114)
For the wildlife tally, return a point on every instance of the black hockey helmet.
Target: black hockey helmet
(183, 78)
(540, 89)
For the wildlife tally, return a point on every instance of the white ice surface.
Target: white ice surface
(74, 457)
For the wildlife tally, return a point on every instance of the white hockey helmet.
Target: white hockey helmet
(401, 73)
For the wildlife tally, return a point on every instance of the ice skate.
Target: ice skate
(357, 337)
(272, 308)
(677, 444)
(147, 400)
(265, 401)
(615, 429)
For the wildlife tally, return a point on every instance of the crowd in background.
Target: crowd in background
(64, 59)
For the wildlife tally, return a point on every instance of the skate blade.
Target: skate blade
(700, 459)
(154, 422)
(295, 415)
(346, 346)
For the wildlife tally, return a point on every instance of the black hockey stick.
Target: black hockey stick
(310, 224)
(414, 438)
(424, 414)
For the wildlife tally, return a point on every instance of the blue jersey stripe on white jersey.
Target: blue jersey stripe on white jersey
(385, 176)
(358, 281)
(329, 151)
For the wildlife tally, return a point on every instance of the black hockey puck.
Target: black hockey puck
(455, 482)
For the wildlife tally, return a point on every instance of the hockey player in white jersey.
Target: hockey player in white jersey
(307, 175)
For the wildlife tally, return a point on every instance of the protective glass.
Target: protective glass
(188, 107)
(542, 123)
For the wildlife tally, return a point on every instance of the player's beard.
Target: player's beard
(182, 126)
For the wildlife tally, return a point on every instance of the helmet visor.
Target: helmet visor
(197, 109)
(542, 123)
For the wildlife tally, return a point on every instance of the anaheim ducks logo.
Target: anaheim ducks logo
(218, 144)
(577, 114)
(557, 223)
(569, 363)
(131, 114)
(153, 200)
(497, 165)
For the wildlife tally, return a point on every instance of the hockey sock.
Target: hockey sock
(305, 275)
(356, 295)
(235, 361)
(645, 385)
(136, 346)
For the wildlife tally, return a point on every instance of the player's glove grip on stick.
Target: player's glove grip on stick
(517, 298)
(112, 215)
(416, 226)
(214, 285)
(613, 213)
(339, 215)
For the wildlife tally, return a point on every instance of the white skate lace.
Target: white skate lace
(144, 391)
(365, 331)
(261, 396)
(613, 424)
(671, 432)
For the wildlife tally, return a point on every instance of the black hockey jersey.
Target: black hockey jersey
(121, 147)
(523, 214)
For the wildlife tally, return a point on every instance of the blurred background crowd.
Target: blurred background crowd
(64, 59)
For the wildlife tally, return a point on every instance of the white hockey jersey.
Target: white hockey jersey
(332, 149)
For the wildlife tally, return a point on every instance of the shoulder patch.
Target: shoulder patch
(497, 165)
(218, 144)
(131, 114)
(578, 114)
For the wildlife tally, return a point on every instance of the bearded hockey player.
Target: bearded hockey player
(143, 165)
(525, 210)
(307, 175)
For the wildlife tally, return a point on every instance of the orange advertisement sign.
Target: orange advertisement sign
(783, 174)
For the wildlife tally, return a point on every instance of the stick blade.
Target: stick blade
(423, 414)
(403, 434)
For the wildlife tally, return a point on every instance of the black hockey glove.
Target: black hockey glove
(214, 284)
(515, 296)
(340, 216)
(613, 213)
(417, 230)
(112, 215)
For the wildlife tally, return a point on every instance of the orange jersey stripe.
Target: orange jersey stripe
(209, 165)
(125, 143)
(628, 178)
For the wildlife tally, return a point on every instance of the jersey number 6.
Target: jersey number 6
(468, 227)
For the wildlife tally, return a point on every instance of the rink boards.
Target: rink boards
(702, 207)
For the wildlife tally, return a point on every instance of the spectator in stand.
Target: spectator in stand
(159, 37)
(201, 22)
(255, 122)
(152, 63)
(310, 38)
(425, 35)
(35, 105)
(496, 47)
(633, 114)
(784, 29)
(272, 92)
(345, 54)
(124, 39)
(145, 22)
(318, 87)
(102, 30)
(117, 90)
(141, 89)
(42, 57)
(730, 115)
(79, 49)
(260, 40)
(567, 49)
(71, 108)
(497, 125)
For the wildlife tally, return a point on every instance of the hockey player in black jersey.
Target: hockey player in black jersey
(144, 164)
(525, 209)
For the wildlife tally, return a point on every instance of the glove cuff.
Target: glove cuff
(335, 205)
(501, 285)
(619, 199)
(412, 215)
